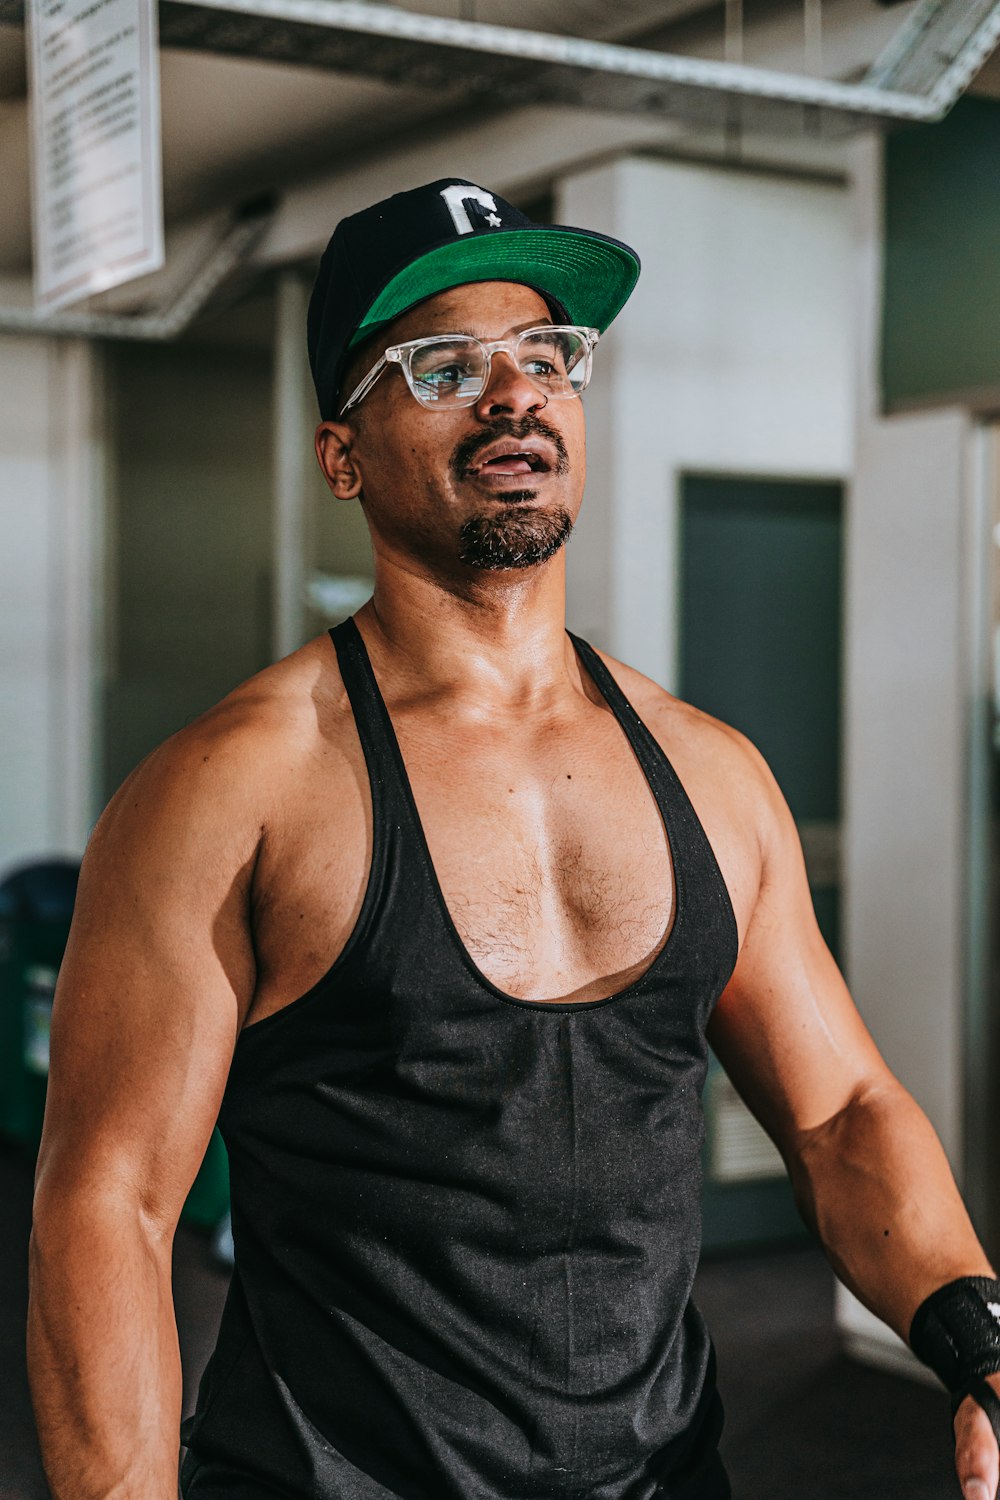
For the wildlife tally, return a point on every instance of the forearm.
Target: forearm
(875, 1184)
(103, 1358)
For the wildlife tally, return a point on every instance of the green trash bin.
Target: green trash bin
(36, 908)
(208, 1201)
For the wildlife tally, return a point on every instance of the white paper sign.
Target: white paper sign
(95, 129)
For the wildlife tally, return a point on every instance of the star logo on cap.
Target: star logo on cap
(494, 221)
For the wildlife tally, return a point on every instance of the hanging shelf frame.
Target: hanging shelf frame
(917, 78)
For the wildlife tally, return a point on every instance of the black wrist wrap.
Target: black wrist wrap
(956, 1331)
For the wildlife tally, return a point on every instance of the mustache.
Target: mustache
(470, 447)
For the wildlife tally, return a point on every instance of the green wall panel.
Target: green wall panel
(761, 623)
(760, 648)
(941, 309)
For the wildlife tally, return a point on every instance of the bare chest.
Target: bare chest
(554, 864)
(548, 849)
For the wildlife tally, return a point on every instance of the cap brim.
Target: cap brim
(590, 274)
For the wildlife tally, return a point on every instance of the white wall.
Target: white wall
(911, 597)
(734, 354)
(906, 826)
(905, 752)
(51, 444)
(910, 631)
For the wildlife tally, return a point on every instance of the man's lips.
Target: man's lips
(508, 456)
(515, 464)
(512, 454)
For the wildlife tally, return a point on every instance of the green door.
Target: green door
(760, 648)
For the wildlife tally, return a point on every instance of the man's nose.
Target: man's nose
(508, 389)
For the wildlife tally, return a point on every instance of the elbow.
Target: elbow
(823, 1155)
(85, 1215)
(870, 1102)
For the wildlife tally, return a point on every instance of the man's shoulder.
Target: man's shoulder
(234, 760)
(687, 733)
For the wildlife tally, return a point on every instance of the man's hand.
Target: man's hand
(977, 1460)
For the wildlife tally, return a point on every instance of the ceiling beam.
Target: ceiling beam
(218, 263)
(516, 66)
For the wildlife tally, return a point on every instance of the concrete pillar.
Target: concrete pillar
(51, 632)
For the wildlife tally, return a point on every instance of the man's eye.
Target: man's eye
(544, 369)
(452, 374)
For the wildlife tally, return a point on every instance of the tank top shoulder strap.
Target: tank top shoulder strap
(371, 717)
(356, 673)
(397, 837)
(659, 772)
(695, 864)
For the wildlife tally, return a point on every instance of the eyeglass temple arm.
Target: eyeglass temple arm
(361, 391)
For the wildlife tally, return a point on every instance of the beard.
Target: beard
(515, 537)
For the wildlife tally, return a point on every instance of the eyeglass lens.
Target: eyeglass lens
(452, 371)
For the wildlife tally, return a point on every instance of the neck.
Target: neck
(495, 640)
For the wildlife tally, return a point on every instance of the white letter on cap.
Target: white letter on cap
(456, 198)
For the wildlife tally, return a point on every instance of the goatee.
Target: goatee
(517, 536)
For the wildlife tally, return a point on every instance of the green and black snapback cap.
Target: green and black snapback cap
(387, 258)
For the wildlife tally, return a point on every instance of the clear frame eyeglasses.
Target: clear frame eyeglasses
(453, 369)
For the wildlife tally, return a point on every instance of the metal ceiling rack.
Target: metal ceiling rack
(226, 253)
(916, 79)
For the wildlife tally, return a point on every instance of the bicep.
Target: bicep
(785, 1028)
(157, 974)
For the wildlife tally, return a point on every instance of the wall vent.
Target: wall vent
(740, 1150)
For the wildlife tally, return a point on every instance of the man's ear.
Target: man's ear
(335, 452)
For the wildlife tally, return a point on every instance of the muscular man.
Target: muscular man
(439, 913)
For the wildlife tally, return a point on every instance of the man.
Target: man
(439, 914)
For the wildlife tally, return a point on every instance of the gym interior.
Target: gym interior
(792, 520)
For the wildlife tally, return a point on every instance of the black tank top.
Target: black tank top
(466, 1225)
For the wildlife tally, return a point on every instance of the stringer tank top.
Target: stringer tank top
(466, 1225)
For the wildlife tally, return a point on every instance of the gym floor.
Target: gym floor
(803, 1422)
